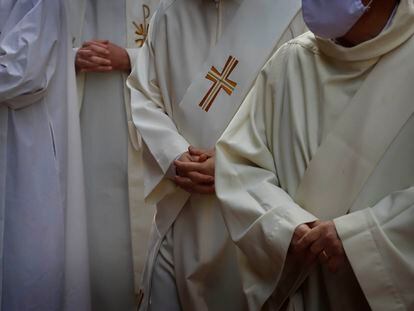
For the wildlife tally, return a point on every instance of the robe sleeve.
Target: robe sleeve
(162, 141)
(28, 53)
(260, 216)
(378, 242)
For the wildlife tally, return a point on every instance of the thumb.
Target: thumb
(195, 151)
(203, 157)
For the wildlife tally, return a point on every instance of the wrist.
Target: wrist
(125, 63)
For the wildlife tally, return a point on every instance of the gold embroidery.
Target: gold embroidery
(141, 30)
(220, 81)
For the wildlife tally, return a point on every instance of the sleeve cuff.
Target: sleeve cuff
(356, 233)
(133, 54)
(171, 172)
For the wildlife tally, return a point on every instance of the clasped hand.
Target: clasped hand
(195, 171)
(101, 56)
(318, 241)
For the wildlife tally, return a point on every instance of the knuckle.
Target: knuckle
(324, 227)
(330, 237)
(305, 241)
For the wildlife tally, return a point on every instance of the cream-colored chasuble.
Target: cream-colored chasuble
(118, 219)
(292, 116)
(183, 35)
(224, 89)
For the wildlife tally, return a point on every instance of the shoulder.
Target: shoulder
(157, 18)
(301, 49)
(303, 43)
(165, 9)
(166, 4)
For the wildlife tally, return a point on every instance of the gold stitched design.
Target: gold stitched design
(220, 81)
(141, 30)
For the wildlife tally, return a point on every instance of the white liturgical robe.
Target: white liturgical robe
(43, 249)
(327, 132)
(112, 153)
(182, 35)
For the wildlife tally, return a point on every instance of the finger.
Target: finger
(195, 158)
(315, 224)
(318, 246)
(309, 238)
(323, 257)
(204, 157)
(201, 152)
(97, 69)
(188, 166)
(100, 61)
(196, 151)
(334, 264)
(195, 176)
(191, 187)
(101, 43)
(84, 64)
(199, 178)
(300, 231)
(205, 189)
(99, 49)
(197, 155)
(85, 52)
(92, 56)
(89, 51)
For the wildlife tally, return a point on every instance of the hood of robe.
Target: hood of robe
(400, 30)
(14, 10)
(6, 6)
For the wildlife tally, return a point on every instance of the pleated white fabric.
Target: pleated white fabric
(43, 234)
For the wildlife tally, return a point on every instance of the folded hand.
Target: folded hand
(101, 56)
(323, 242)
(195, 171)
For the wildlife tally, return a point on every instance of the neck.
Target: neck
(371, 23)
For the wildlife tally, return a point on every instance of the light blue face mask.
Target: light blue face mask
(331, 19)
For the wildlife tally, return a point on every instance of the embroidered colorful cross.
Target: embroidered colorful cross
(220, 81)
